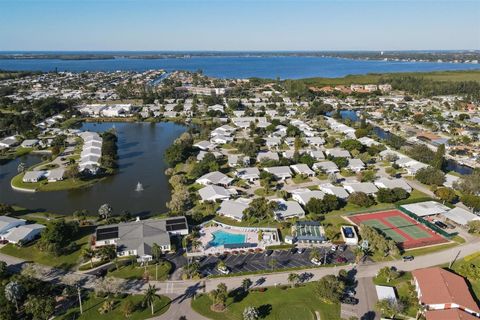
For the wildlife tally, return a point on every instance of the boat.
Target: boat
(139, 187)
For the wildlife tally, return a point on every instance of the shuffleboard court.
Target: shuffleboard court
(399, 227)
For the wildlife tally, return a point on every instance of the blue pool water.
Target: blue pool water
(221, 238)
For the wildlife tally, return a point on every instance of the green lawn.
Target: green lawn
(300, 179)
(274, 303)
(404, 289)
(32, 253)
(44, 185)
(136, 272)
(473, 259)
(92, 303)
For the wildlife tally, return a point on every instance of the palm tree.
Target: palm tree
(293, 279)
(88, 254)
(150, 297)
(195, 244)
(246, 283)
(156, 252)
(219, 296)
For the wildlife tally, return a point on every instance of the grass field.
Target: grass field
(135, 272)
(375, 77)
(273, 304)
(32, 253)
(91, 305)
(44, 185)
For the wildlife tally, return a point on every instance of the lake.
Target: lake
(141, 148)
(286, 67)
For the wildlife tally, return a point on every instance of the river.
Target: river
(284, 67)
(141, 148)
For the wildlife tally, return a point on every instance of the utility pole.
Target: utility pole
(454, 259)
(156, 271)
(80, 299)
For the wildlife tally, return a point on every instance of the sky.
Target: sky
(239, 25)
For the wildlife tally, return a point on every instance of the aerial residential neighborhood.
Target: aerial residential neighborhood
(239, 160)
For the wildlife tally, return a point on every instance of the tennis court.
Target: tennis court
(399, 227)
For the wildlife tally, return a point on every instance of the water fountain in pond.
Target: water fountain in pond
(139, 187)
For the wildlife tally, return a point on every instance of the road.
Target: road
(186, 289)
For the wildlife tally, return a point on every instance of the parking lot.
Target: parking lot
(279, 259)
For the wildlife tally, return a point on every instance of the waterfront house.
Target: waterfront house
(205, 145)
(23, 233)
(55, 175)
(7, 223)
(34, 176)
(29, 143)
(215, 177)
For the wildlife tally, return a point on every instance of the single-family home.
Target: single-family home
(34, 176)
(55, 175)
(338, 153)
(214, 193)
(7, 223)
(215, 177)
(365, 187)
(288, 210)
(326, 166)
(272, 142)
(29, 143)
(303, 169)
(234, 208)
(303, 196)
(356, 165)
(386, 183)
(329, 188)
(23, 233)
(205, 145)
(281, 172)
(267, 155)
(317, 154)
(250, 174)
(460, 216)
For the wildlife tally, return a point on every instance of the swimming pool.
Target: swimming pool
(221, 238)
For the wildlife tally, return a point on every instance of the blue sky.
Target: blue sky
(239, 25)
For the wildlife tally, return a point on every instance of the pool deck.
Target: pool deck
(251, 237)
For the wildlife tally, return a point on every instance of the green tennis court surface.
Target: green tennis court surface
(406, 226)
(389, 232)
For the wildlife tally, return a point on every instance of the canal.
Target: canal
(141, 148)
(452, 165)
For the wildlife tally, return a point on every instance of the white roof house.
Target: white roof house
(214, 193)
(385, 183)
(426, 208)
(215, 177)
(55, 174)
(272, 142)
(303, 196)
(365, 187)
(460, 216)
(267, 155)
(302, 168)
(281, 172)
(338, 153)
(23, 233)
(250, 174)
(329, 188)
(326, 166)
(29, 143)
(317, 154)
(34, 176)
(288, 210)
(450, 179)
(315, 141)
(385, 292)
(234, 208)
(356, 165)
(205, 145)
(7, 223)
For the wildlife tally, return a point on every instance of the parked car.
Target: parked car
(316, 262)
(408, 258)
(223, 270)
(341, 260)
(334, 247)
(301, 250)
(293, 250)
(268, 253)
(350, 300)
(440, 224)
(100, 273)
(342, 247)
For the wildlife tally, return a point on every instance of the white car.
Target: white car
(316, 262)
(223, 270)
